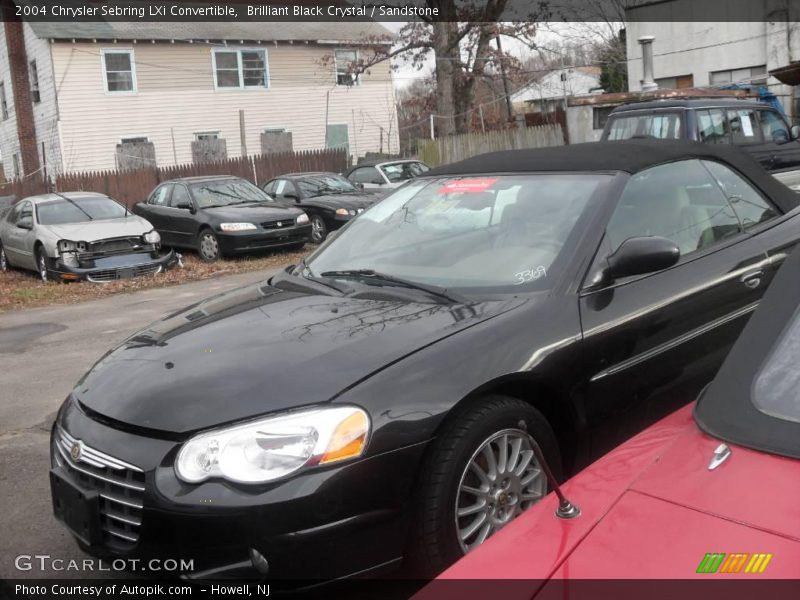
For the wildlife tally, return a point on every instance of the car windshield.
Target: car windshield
(495, 234)
(661, 125)
(319, 185)
(78, 210)
(754, 401)
(226, 192)
(401, 171)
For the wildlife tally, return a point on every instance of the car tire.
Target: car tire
(4, 266)
(41, 264)
(439, 535)
(319, 230)
(208, 246)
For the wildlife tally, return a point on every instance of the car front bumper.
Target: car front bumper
(112, 268)
(250, 241)
(322, 524)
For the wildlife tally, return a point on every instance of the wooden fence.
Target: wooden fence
(134, 186)
(458, 147)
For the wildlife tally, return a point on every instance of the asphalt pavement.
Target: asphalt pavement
(43, 353)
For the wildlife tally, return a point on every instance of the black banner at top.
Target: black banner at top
(90, 11)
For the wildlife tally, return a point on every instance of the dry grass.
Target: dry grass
(21, 289)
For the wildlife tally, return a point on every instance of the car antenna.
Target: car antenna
(566, 509)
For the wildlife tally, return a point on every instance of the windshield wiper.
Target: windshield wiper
(370, 274)
(307, 273)
(91, 218)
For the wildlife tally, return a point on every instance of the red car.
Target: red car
(711, 493)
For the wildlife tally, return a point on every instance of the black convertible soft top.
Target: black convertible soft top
(629, 156)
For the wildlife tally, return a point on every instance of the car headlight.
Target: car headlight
(152, 237)
(270, 448)
(66, 246)
(344, 212)
(237, 226)
(302, 219)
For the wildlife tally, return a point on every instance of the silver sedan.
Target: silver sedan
(80, 236)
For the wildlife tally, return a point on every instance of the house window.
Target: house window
(676, 83)
(119, 71)
(17, 170)
(238, 69)
(206, 135)
(3, 100)
(134, 140)
(749, 75)
(346, 65)
(33, 71)
(600, 116)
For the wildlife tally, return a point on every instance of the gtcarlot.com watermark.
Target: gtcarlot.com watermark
(46, 562)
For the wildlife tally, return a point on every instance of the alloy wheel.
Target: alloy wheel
(501, 480)
(318, 229)
(42, 267)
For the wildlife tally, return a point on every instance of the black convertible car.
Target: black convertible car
(379, 402)
(222, 215)
(329, 199)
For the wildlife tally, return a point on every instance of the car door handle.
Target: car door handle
(752, 279)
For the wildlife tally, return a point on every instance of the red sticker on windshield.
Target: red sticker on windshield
(468, 186)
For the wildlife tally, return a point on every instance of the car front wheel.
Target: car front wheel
(3, 259)
(208, 246)
(41, 264)
(319, 231)
(480, 474)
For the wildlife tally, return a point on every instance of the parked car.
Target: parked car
(222, 216)
(80, 236)
(385, 174)
(689, 497)
(359, 408)
(328, 199)
(755, 127)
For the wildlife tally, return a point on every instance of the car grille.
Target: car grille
(115, 245)
(284, 223)
(120, 486)
(114, 274)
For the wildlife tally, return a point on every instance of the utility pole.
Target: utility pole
(509, 108)
(433, 136)
(242, 134)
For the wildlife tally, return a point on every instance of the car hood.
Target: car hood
(255, 211)
(101, 230)
(260, 349)
(653, 509)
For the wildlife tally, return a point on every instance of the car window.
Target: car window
(442, 231)
(160, 196)
(13, 214)
(402, 171)
(270, 187)
(79, 210)
(367, 175)
(712, 127)
(227, 192)
(283, 186)
(661, 125)
(180, 196)
(679, 201)
(750, 206)
(25, 214)
(743, 125)
(773, 127)
(318, 185)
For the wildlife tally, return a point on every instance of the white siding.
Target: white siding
(9, 143)
(176, 95)
(45, 113)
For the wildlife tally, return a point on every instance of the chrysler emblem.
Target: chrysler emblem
(75, 451)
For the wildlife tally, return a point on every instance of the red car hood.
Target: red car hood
(652, 509)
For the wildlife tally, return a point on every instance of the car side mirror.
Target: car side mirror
(640, 255)
(26, 223)
(185, 206)
(795, 132)
(780, 136)
(292, 197)
(359, 186)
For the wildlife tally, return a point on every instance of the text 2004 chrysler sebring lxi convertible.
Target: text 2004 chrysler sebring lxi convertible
(379, 401)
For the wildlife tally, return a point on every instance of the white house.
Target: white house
(87, 96)
(548, 92)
